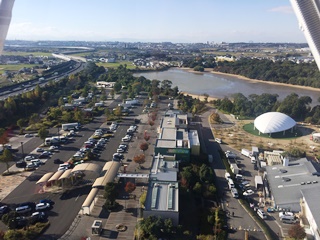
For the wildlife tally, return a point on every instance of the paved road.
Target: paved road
(241, 219)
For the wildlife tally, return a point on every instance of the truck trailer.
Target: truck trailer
(70, 126)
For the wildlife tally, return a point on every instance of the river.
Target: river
(220, 86)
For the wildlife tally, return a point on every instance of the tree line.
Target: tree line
(254, 105)
(303, 74)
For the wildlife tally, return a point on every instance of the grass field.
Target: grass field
(27, 53)
(117, 64)
(15, 67)
(279, 135)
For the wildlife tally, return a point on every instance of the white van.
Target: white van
(261, 214)
(288, 219)
(230, 183)
(234, 192)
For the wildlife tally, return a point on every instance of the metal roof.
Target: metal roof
(45, 177)
(311, 197)
(66, 174)
(109, 175)
(162, 196)
(87, 167)
(286, 182)
(92, 194)
(272, 122)
(56, 176)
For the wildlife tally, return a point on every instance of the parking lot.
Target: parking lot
(29, 191)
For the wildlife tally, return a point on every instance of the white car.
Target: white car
(29, 158)
(127, 138)
(248, 192)
(120, 150)
(39, 150)
(42, 206)
(62, 168)
(53, 147)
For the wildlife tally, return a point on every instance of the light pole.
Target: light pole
(22, 150)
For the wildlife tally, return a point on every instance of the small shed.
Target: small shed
(258, 182)
(96, 227)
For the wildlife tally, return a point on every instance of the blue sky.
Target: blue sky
(155, 20)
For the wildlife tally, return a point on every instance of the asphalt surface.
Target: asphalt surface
(241, 220)
(68, 204)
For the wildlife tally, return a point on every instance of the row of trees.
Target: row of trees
(254, 105)
(304, 74)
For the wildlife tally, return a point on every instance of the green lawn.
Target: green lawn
(279, 135)
(117, 64)
(15, 67)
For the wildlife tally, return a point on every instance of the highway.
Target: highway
(17, 89)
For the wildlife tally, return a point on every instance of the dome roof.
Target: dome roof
(273, 122)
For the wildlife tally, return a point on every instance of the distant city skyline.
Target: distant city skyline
(155, 21)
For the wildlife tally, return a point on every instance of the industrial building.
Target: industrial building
(286, 183)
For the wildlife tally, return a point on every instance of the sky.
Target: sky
(177, 21)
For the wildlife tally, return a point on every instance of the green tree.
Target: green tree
(6, 157)
(112, 93)
(110, 192)
(43, 133)
(20, 124)
(117, 87)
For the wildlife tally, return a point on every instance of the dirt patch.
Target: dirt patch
(237, 138)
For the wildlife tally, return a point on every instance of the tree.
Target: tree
(206, 95)
(144, 146)
(110, 192)
(3, 136)
(6, 157)
(112, 93)
(130, 187)
(117, 86)
(151, 123)
(20, 124)
(297, 232)
(140, 159)
(43, 133)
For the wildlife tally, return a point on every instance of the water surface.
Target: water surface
(220, 86)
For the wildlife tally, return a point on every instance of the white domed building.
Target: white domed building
(273, 122)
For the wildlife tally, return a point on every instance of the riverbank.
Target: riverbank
(201, 97)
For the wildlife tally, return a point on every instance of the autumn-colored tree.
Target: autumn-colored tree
(144, 146)
(153, 116)
(140, 159)
(146, 137)
(297, 232)
(4, 136)
(130, 187)
(151, 123)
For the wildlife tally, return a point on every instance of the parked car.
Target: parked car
(248, 192)
(4, 209)
(28, 135)
(127, 138)
(30, 167)
(42, 206)
(39, 150)
(46, 200)
(29, 158)
(37, 217)
(57, 161)
(118, 156)
(123, 146)
(21, 164)
(120, 150)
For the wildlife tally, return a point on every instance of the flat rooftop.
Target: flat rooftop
(162, 196)
(286, 182)
(162, 143)
(164, 170)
